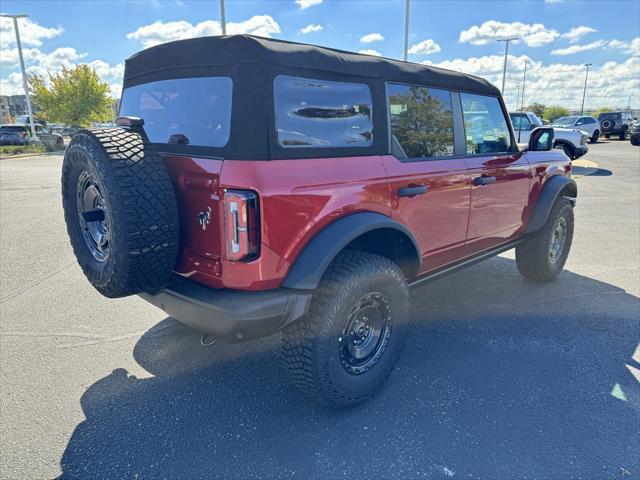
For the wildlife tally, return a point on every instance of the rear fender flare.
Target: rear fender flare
(317, 255)
(551, 190)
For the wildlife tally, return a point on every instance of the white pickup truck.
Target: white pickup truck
(571, 140)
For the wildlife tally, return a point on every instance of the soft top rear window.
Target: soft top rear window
(609, 115)
(184, 111)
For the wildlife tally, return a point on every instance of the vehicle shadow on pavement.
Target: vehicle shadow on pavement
(500, 378)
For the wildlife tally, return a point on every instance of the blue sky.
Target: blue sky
(558, 37)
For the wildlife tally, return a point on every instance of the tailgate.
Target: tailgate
(196, 182)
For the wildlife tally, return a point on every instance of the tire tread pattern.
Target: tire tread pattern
(143, 209)
(303, 350)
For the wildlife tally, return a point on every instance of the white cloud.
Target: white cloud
(370, 51)
(303, 4)
(609, 84)
(553, 1)
(311, 28)
(425, 47)
(576, 33)
(161, 32)
(31, 33)
(631, 48)
(532, 35)
(579, 48)
(371, 37)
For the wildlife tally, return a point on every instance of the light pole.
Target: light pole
(584, 92)
(406, 29)
(223, 22)
(524, 79)
(506, 52)
(517, 99)
(24, 73)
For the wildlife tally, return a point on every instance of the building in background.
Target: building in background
(12, 106)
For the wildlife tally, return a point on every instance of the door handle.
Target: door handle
(412, 191)
(483, 181)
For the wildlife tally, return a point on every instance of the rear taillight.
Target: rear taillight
(242, 225)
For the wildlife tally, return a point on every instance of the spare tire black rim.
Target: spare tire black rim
(366, 333)
(92, 210)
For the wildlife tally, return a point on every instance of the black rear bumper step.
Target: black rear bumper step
(230, 315)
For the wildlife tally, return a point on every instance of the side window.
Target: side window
(485, 125)
(322, 113)
(520, 122)
(421, 121)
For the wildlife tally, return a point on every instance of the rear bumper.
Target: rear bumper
(230, 315)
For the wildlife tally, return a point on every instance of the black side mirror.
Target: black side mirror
(541, 139)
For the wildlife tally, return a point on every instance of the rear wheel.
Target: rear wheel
(607, 135)
(542, 257)
(349, 342)
(120, 211)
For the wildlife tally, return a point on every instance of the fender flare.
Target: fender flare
(313, 261)
(547, 198)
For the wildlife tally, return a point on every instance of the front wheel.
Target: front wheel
(542, 257)
(349, 342)
(623, 135)
(595, 136)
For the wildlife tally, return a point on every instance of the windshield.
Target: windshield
(565, 121)
(184, 111)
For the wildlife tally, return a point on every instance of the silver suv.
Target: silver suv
(571, 140)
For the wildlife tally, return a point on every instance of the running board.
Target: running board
(454, 267)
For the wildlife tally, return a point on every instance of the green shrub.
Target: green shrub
(9, 150)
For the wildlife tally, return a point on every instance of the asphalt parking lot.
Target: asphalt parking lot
(500, 378)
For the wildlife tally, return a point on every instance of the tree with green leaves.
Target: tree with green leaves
(75, 96)
(537, 108)
(554, 112)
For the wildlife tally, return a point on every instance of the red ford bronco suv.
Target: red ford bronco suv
(256, 186)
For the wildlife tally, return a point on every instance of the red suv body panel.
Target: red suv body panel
(300, 197)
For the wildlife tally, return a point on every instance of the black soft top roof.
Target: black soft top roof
(199, 54)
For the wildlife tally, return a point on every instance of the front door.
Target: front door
(429, 186)
(500, 176)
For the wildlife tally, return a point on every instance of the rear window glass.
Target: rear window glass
(421, 121)
(184, 111)
(321, 113)
(609, 115)
(12, 129)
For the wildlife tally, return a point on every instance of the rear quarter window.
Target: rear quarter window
(321, 113)
(185, 111)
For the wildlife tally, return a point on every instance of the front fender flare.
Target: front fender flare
(313, 261)
(547, 198)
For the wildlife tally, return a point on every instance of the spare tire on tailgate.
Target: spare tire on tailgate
(120, 210)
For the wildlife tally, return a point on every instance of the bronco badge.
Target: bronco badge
(204, 218)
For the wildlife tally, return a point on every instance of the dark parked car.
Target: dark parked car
(615, 123)
(372, 176)
(635, 134)
(16, 134)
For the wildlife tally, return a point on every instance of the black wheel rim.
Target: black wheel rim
(366, 333)
(558, 240)
(92, 215)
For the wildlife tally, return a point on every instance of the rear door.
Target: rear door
(500, 175)
(429, 184)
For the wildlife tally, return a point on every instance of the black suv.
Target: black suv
(615, 123)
